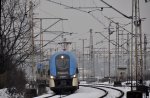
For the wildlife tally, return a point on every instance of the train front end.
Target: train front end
(63, 72)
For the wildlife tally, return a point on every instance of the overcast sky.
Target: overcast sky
(80, 22)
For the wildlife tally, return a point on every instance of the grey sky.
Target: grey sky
(80, 22)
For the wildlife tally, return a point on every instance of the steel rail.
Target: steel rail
(91, 86)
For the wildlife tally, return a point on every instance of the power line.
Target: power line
(129, 17)
(83, 40)
(78, 8)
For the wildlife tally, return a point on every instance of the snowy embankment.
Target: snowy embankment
(3, 93)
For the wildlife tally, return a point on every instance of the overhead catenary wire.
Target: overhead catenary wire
(47, 28)
(59, 19)
(129, 17)
(85, 12)
(88, 13)
(111, 41)
(116, 23)
(78, 10)
(109, 20)
(121, 27)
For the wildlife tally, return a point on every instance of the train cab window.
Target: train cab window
(62, 61)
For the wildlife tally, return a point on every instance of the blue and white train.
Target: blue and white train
(63, 72)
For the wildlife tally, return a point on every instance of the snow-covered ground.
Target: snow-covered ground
(82, 92)
(85, 92)
(3, 93)
(89, 92)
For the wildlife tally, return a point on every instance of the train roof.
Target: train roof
(71, 54)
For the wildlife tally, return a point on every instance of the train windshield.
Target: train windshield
(62, 61)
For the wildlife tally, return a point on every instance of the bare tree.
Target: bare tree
(14, 34)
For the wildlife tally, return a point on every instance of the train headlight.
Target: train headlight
(74, 76)
(62, 57)
(51, 77)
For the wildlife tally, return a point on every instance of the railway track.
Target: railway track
(108, 86)
(49, 96)
(106, 92)
(121, 92)
(106, 89)
(63, 96)
(55, 96)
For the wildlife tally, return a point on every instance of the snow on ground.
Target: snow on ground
(86, 91)
(112, 93)
(82, 92)
(49, 93)
(44, 95)
(3, 93)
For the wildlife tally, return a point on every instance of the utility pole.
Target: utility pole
(32, 39)
(128, 60)
(118, 45)
(41, 41)
(83, 59)
(131, 48)
(138, 43)
(122, 51)
(109, 53)
(104, 61)
(109, 57)
(117, 49)
(145, 53)
(92, 54)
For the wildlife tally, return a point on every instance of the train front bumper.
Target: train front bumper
(63, 83)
